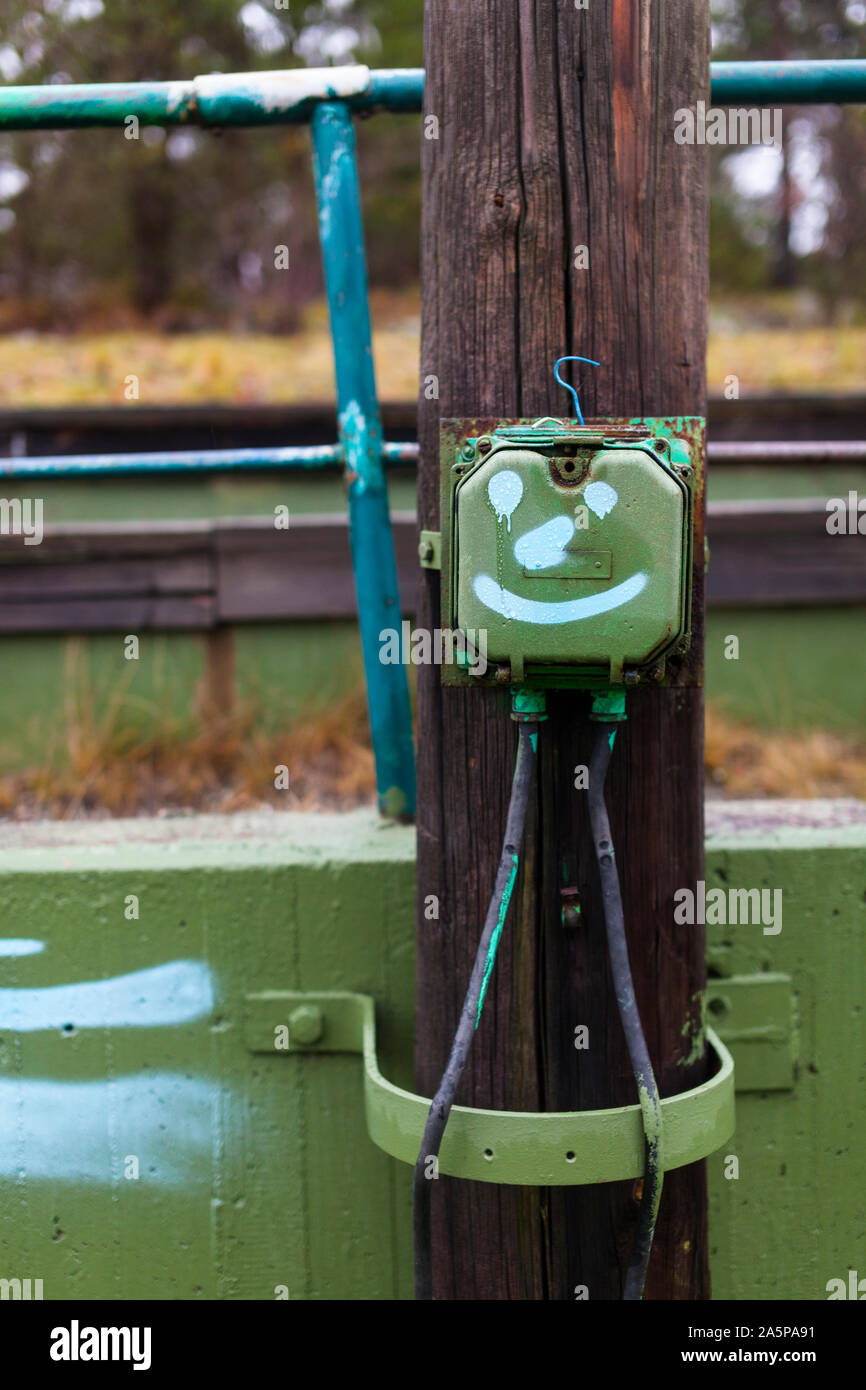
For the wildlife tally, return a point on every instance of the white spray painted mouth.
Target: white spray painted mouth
(527, 610)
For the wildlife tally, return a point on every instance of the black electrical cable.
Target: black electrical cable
(650, 1101)
(440, 1109)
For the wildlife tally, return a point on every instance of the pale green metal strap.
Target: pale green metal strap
(552, 1149)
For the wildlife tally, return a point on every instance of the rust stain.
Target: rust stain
(631, 74)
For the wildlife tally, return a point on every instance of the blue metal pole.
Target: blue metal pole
(396, 89)
(176, 461)
(269, 98)
(342, 237)
(192, 461)
(213, 101)
(837, 81)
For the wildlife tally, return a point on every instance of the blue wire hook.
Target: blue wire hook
(577, 410)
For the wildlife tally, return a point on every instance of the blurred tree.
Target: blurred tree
(182, 225)
(83, 41)
(818, 205)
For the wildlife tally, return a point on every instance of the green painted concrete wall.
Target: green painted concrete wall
(793, 1219)
(255, 1172)
(798, 668)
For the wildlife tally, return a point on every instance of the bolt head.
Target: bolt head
(306, 1024)
(425, 550)
(630, 677)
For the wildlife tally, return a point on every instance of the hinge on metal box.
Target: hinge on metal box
(754, 1016)
(532, 1150)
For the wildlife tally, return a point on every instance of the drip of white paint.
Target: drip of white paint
(281, 90)
(505, 490)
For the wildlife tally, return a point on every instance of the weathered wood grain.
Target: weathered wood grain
(555, 130)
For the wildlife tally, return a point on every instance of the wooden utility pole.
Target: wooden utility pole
(560, 216)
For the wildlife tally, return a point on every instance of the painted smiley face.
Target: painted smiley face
(542, 549)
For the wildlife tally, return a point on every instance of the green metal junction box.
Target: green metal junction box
(566, 550)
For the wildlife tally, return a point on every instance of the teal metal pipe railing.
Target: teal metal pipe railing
(835, 82)
(341, 235)
(290, 96)
(328, 98)
(281, 97)
(193, 461)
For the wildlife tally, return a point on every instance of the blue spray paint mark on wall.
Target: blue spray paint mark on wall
(176, 992)
(62, 1130)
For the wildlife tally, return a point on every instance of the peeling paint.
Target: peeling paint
(693, 1029)
(283, 90)
(494, 940)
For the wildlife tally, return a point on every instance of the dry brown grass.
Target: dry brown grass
(226, 764)
(742, 761)
(761, 340)
(55, 369)
(106, 767)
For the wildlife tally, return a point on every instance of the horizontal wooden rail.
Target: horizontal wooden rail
(32, 431)
(114, 576)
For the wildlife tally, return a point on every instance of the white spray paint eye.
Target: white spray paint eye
(545, 546)
(505, 491)
(601, 498)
